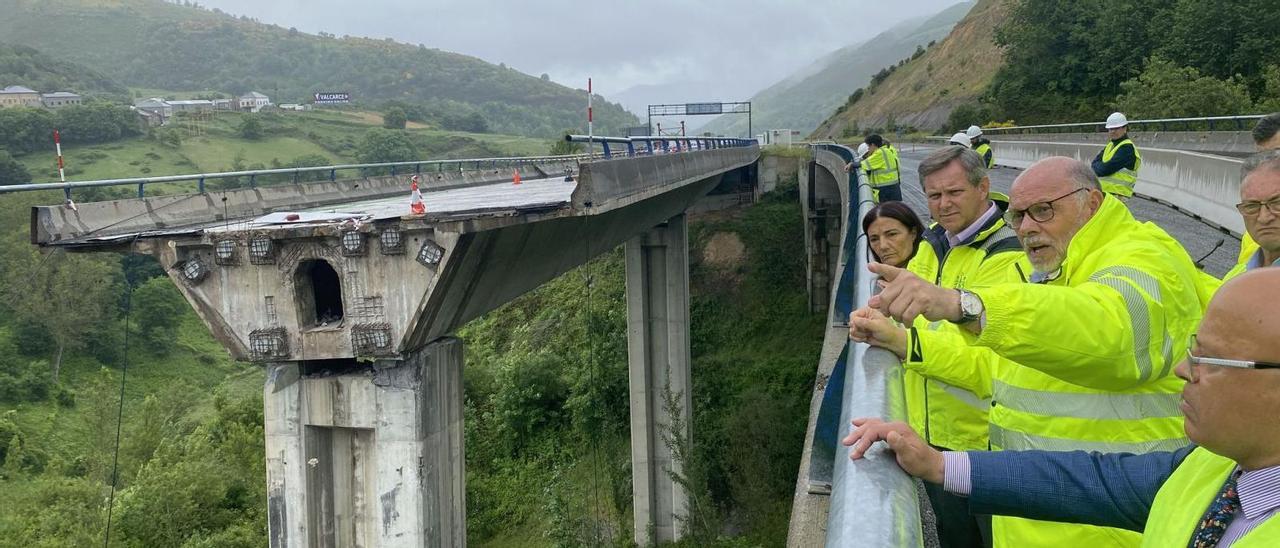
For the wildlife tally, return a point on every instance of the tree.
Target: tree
(394, 118)
(1165, 90)
(250, 127)
(70, 297)
(12, 172)
(384, 145)
(157, 310)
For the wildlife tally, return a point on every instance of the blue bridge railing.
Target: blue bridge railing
(329, 173)
(873, 502)
(649, 145)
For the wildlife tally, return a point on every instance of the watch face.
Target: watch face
(969, 304)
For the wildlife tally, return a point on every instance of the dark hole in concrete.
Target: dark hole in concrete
(319, 293)
(339, 366)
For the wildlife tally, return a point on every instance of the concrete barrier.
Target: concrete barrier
(1204, 185)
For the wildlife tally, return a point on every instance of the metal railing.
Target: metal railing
(1236, 123)
(649, 145)
(873, 502)
(440, 166)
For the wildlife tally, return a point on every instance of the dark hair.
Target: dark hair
(1266, 128)
(899, 212)
(874, 139)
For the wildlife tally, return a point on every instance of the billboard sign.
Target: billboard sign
(703, 108)
(332, 97)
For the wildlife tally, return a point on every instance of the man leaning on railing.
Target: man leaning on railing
(1087, 347)
(1225, 491)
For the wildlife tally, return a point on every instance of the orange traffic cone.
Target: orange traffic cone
(416, 206)
(515, 176)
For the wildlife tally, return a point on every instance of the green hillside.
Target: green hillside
(24, 66)
(290, 139)
(804, 99)
(156, 44)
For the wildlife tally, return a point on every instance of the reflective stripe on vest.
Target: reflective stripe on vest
(1122, 181)
(1093, 405)
(886, 176)
(1123, 279)
(1022, 441)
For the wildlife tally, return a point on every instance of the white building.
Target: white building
(19, 96)
(253, 101)
(156, 106)
(59, 99)
(193, 105)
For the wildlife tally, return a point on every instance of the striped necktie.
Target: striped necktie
(1215, 520)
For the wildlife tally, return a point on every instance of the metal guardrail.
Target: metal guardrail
(656, 144)
(1237, 122)
(200, 178)
(873, 502)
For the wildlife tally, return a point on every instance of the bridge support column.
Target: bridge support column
(658, 355)
(367, 456)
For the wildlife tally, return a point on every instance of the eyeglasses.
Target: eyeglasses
(1252, 208)
(1040, 212)
(1194, 360)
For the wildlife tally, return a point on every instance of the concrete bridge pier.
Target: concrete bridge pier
(657, 265)
(820, 203)
(360, 456)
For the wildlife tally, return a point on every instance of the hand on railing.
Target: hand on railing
(868, 325)
(913, 454)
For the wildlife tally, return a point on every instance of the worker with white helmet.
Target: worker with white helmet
(1117, 164)
(980, 145)
(961, 139)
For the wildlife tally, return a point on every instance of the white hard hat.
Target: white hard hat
(863, 149)
(961, 139)
(1116, 120)
(973, 132)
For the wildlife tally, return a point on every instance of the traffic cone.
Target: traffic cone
(515, 176)
(416, 206)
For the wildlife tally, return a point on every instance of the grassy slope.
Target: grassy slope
(160, 44)
(923, 92)
(804, 99)
(332, 134)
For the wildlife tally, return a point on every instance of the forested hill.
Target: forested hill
(1046, 61)
(161, 45)
(802, 100)
(20, 65)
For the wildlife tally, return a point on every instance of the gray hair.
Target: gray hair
(1267, 159)
(1267, 127)
(936, 161)
(1082, 175)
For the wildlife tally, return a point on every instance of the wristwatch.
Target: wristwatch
(970, 307)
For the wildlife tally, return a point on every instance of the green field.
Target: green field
(214, 144)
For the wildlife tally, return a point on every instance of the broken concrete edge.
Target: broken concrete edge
(58, 223)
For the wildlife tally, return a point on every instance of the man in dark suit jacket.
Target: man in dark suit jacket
(1222, 493)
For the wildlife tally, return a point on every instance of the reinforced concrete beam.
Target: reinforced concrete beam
(657, 271)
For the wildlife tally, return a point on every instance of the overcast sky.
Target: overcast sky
(636, 51)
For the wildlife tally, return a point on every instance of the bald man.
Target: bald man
(1225, 491)
(1081, 357)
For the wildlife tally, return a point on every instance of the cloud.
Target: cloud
(740, 46)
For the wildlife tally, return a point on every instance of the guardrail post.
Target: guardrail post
(141, 191)
(393, 171)
(606, 149)
(333, 175)
(253, 181)
(199, 187)
(417, 168)
(295, 176)
(631, 149)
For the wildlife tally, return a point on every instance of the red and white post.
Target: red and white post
(57, 146)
